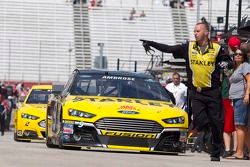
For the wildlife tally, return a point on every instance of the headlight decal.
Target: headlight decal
(42, 124)
(82, 114)
(175, 120)
(29, 116)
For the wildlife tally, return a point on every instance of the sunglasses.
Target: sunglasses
(240, 54)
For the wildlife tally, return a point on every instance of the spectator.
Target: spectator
(131, 17)
(181, 4)
(92, 3)
(191, 4)
(142, 14)
(133, 11)
(229, 134)
(3, 114)
(178, 89)
(99, 3)
(239, 93)
(203, 59)
(173, 3)
(20, 87)
(245, 47)
(76, 2)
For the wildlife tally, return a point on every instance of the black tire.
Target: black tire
(15, 137)
(60, 143)
(48, 141)
(61, 146)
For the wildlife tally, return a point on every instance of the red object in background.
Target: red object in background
(92, 2)
(191, 4)
(228, 116)
(234, 43)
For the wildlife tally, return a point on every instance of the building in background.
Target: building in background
(43, 41)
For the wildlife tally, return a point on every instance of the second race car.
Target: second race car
(30, 117)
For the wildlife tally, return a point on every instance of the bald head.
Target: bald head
(201, 33)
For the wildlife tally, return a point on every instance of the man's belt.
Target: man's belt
(199, 89)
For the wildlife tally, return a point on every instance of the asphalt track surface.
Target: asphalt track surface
(36, 154)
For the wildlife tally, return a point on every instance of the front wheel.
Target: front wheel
(48, 141)
(61, 146)
(15, 137)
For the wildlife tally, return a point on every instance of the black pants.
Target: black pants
(208, 115)
(2, 123)
(8, 119)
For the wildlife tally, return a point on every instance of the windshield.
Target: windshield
(38, 96)
(119, 86)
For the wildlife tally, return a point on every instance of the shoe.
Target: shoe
(238, 158)
(215, 158)
(246, 157)
(227, 154)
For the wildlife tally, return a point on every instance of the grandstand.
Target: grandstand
(36, 37)
(111, 26)
(45, 40)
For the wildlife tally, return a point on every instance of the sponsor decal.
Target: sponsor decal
(142, 102)
(202, 62)
(128, 112)
(127, 108)
(68, 122)
(78, 123)
(129, 134)
(118, 78)
(27, 123)
(68, 129)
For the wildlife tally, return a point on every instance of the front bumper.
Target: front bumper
(29, 130)
(172, 140)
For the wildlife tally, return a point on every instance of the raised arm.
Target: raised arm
(178, 51)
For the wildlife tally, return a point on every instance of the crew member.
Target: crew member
(203, 64)
(178, 89)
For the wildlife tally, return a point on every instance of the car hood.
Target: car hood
(123, 107)
(34, 108)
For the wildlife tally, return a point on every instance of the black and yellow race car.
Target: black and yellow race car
(30, 117)
(115, 110)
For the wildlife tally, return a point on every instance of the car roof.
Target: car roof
(41, 87)
(110, 72)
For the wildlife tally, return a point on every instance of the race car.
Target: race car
(100, 109)
(30, 117)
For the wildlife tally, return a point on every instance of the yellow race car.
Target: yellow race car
(30, 117)
(115, 110)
